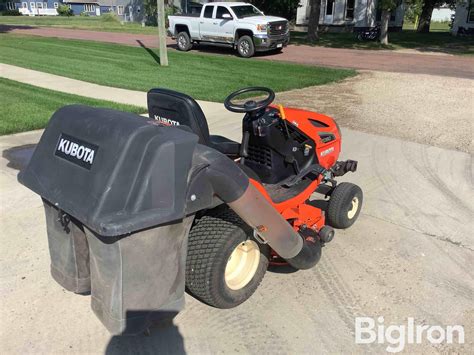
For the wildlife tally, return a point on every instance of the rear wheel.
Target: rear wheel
(184, 41)
(225, 263)
(344, 205)
(245, 47)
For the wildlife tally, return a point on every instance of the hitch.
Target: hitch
(343, 167)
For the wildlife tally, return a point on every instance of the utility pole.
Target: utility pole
(160, 6)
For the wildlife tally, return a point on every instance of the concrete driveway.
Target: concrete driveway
(409, 255)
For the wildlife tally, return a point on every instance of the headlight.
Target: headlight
(262, 27)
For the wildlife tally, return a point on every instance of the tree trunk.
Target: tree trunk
(425, 17)
(384, 27)
(313, 23)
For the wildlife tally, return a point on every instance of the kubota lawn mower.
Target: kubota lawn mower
(138, 208)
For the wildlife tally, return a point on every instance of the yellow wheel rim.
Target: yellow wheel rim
(354, 207)
(242, 265)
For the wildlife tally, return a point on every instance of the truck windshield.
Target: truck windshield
(242, 11)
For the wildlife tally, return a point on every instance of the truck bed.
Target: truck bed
(186, 15)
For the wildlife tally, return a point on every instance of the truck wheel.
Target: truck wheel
(344, 205)
(183, 41)
(225, 264)
(245, 47)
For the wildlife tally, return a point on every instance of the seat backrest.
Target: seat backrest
(174, 108)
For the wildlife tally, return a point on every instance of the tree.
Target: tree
(387, 6)
(282, 8)
(313, 23)
(427, 8)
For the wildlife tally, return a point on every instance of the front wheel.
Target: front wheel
(184, 41)
(245, 47)
(225, 264)
(344, 205)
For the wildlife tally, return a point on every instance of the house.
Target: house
(464, 18)
(346, 15)
(33, 8)
(126, 10)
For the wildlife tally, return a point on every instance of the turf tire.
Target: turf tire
(340, 204)
(211, 242)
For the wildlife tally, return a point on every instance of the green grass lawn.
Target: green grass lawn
(438, 41)
(205, 77)
(434, 26)
(25, 107)
(92, 23)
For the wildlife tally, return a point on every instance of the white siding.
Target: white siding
(460, 19)
(364, 14)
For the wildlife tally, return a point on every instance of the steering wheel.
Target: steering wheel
(250, 105)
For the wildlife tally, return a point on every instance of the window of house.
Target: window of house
(10, 6)
(329, 7)
(120, 10)
(45, 5)
(56, 5)
(350, 9)
(39, 5)
(470, 14)
(32, 5)
(89, 7)
(24, 5)
(221, 10)
(208, 11)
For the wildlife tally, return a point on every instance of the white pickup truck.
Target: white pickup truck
(236, 24)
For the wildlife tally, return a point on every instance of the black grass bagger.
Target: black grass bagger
(138, 208)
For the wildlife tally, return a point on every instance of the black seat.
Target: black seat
(174, 108)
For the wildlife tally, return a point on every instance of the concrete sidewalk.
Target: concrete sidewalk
(215, 112)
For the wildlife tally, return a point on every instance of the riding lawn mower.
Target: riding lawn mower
(140, 209)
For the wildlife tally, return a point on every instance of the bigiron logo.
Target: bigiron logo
(166, 121)
(76, 151)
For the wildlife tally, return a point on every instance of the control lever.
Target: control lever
(314, 168)
(244, 147)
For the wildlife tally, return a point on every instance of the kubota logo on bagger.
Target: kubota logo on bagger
(76, 151)
(166, 121)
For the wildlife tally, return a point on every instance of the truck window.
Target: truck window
(242, 11)
(221, 10)
(208, 11)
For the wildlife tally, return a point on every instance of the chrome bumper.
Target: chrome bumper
(264, 42)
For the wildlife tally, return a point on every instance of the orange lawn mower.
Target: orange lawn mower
(144, 207)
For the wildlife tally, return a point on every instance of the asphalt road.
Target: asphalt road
(391, 61)
(410, 254)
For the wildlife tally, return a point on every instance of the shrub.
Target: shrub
(109, 17)
(84, 14)
(11, 13)
(64, 10)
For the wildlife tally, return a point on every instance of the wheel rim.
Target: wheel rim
(354, 207)
(242, 265)
(182, 43)
(244, 47)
